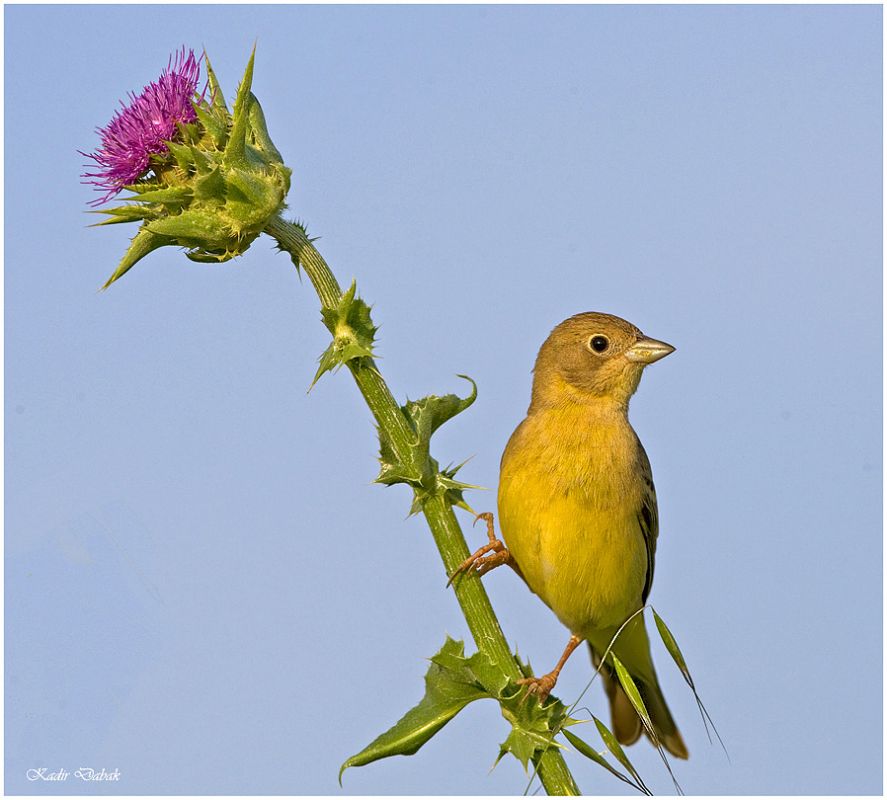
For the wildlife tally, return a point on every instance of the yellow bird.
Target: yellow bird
(577, 508)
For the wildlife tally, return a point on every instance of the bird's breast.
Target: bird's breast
(569, 496)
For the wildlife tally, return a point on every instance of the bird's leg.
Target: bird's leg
(542, 687)
(489, 556)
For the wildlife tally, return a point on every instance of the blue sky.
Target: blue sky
(205, 590)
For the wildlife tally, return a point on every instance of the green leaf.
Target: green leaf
(634, 696)
(216, 98)
(202, 255)
(528, 713)
(214, 120)
(235, 149)
(429, 413)
(140, 187)
(487, 674)
(451, 657)
(201, 160)
(144, 242)
(615, 748)
(452, 489)
(441, 485)
(523, 745)
(122, 214)
(477, 669)
(525, 667)
(170, 195)
(391, 471)
(210, 186)
(213, 124)
(423, 473)
(259, 129)
(589, 752)
(252, 196)
(352, 329)
(189, 132)
(534, 724)
(449, 687)
(192, 227)
(350, 311)
(182, 155)
(451, 683)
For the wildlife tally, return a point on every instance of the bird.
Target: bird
(578, 513)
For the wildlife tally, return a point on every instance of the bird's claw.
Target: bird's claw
(484, 559)
(491, 555)
(540, 687)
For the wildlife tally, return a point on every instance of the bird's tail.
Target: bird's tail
(625, 721)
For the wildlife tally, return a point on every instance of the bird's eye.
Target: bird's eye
(599, 343)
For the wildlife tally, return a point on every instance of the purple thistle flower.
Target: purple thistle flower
(141, 129)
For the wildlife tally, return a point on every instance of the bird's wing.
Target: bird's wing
(648, 519)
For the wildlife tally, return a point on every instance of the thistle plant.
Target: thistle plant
(201, 177)
(209, 180)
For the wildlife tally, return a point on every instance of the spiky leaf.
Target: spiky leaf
(216, 97)
(174, 195)
(522, 745)
(193, 227)
(251, 198)
(449, 687)
(211, 186)
(453, 489)
(353, 332)
(235, 149)
(181, 153)
(213, 124)
(422, 472)
(144, 242)
(123, 214)
(534, 725)
(142, 187)
(259, 129)
(428, 413)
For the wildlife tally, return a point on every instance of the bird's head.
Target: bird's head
(593, 357)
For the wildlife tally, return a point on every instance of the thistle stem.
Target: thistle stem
(445, 528)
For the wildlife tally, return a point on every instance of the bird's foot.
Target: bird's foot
(491, 555)
(540, 687)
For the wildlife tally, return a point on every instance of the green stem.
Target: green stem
(445, 529)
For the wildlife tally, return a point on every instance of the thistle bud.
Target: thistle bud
(201, 177)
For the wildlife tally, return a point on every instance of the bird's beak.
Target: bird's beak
(646, 351)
